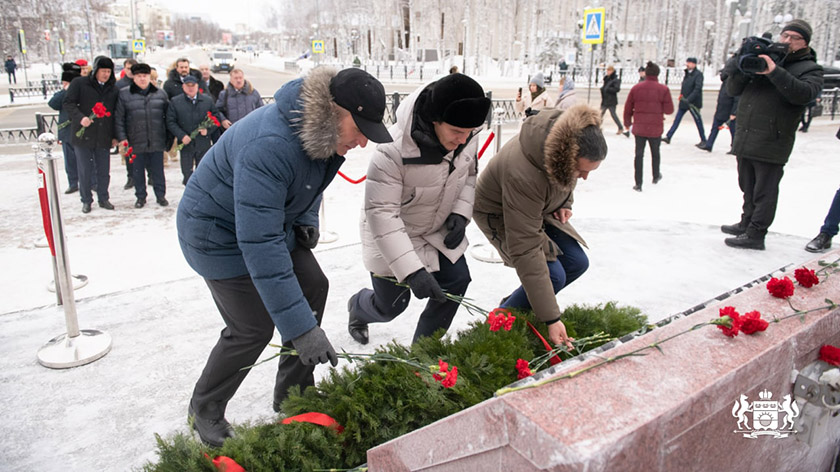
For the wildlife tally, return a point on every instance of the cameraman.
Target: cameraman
(772, 101)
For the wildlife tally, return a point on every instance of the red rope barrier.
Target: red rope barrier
(483, 148)
(555, 359)
(351, 180)
(45, 211)
(486, 143)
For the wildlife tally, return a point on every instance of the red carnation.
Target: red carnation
(752, 323)
(446, 377)
(730, 321)
(780, 288)
(806, 277)
(100, 111)
(830, 354)
(450, 379)
(500, 318)
(522, 369)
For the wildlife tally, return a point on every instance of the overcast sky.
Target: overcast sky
(223, 12)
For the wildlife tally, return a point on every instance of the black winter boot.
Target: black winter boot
(743, 241)
(821, 243)
(357, 329)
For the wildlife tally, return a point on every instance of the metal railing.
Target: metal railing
(44, 90)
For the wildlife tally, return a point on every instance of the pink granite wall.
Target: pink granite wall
(670, 412)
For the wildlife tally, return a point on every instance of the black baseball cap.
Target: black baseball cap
(364, 97)
(189, 79)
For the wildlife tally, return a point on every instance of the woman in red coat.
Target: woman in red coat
(644, 112)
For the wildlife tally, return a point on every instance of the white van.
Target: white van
(221, 60)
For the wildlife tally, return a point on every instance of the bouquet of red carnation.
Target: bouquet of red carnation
(129, 152)
(99, 111)
(208, 122)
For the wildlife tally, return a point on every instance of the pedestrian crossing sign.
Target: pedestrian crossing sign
(138, 45)
(593, 25)
(318, 46)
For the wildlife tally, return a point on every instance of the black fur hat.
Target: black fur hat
(457, 100)
(70, 70)
(141, 68)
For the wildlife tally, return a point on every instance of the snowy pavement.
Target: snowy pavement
(660, 250)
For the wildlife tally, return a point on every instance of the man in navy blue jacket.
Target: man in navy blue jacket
(247, 223)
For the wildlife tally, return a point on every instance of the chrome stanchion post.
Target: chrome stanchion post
(75, 347)
(326, 235)
(497, 122)
(485, 252)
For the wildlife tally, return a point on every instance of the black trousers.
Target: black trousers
(388, 300)
(639, 162)
(248, 331)
(760, 183)
(613, 114)
(189, 161)
(88, 162)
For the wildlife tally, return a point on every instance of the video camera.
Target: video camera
(752, 47)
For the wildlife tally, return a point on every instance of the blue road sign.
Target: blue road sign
(593, 25)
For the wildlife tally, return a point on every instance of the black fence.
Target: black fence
(44, 89)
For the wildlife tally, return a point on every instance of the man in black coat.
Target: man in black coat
(141, 120)
(609, 98)
(185, 114)
(691, 100)
(176, 77)
(94, 146)
(208, 83)
(771, 103)
(727, 105)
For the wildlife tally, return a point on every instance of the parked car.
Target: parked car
(221, 60)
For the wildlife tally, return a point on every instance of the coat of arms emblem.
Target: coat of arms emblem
(769, 417)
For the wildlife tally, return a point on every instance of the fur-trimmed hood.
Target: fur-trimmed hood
(318, 125)
(549, 140)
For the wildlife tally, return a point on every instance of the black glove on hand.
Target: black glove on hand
(307, 236)
(457, 226)
(425, 286)
(313, 347)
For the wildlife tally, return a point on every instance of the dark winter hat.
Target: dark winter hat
(692, 59)
(800, 26)
(189, 79)
(364, 97)
(458, 100)
(642, 69)
(68, 76)
(652, 69)
(141, 68)
(103, 62)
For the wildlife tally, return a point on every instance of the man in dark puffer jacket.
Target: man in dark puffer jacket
(141, 119)
(771, 104)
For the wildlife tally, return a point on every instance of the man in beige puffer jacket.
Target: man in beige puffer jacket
(419, 198)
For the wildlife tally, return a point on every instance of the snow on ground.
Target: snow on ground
(660, 250)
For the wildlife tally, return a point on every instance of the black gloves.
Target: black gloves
(307, 236)
(457, 226)
(313, 347)
(425, 286)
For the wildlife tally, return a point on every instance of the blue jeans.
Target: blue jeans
(832, 220)
(714, 132)
(570, 265)
(697, 121)
(90, 162)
